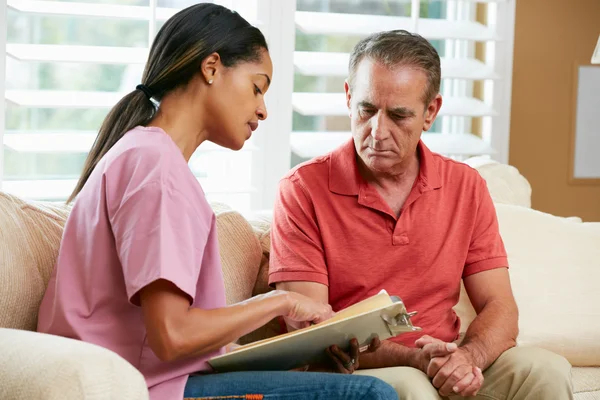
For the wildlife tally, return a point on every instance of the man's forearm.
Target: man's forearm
(492, 332)
(390, 354)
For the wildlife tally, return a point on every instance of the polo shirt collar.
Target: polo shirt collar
(428, 172)
(345, 179)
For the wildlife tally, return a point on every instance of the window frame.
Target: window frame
(3, 39)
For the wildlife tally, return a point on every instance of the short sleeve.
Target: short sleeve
(158, 235)
(296, 246)
(486, 250)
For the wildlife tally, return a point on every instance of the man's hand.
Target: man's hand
(430, 348)
(347, 363)
(343, 362)
(455, 373)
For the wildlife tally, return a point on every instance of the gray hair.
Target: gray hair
(400, 48)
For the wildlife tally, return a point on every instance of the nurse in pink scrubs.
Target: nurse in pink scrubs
(138, 270)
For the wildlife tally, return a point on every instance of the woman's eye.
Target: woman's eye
(257, 90)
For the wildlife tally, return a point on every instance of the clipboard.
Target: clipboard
(381, 315)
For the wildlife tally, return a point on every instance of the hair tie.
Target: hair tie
(146, 90)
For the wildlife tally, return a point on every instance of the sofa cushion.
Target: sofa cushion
(39, 366)
(505, 182)
(241, 253)
(586, 383)
(555, 272)
(30, 234)
(262, 229)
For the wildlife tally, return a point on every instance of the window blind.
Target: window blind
(470, 36)
(67, 64)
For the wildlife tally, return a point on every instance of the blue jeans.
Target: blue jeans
(287, 385)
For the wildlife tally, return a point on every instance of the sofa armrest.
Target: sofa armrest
(40, 366)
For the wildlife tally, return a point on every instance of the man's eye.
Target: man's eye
(366, 111)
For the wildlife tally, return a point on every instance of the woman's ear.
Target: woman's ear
(210, 67)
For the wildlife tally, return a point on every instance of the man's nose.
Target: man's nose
(379, 127)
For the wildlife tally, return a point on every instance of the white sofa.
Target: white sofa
(555, 270)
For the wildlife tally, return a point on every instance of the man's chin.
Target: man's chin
(380, 164)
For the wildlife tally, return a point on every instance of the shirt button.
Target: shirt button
(401, 239)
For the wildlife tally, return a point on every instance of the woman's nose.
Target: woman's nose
(261, 112)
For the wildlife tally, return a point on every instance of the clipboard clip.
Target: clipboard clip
(397, 318)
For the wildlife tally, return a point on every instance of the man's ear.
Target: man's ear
(432, 111)
(348, 97)
(210, 67)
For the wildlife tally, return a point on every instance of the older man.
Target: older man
(384, 212)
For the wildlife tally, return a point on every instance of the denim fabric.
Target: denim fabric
(287, 386)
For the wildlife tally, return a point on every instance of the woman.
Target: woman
(138, 270)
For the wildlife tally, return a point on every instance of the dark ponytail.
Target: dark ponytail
(175, 57)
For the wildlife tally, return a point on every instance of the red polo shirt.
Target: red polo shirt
(330, 226)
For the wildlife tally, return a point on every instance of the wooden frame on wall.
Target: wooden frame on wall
(573, 179)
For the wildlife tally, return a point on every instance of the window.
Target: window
(69, 61)
(326, 32)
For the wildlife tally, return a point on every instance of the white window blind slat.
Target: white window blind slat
(76, 142)
(467, 68)
(60, 189)
(63, 98)
(77, 54)
(315, 63)
(334, 104)
(103, 10)
(313, 144)
(325, 23)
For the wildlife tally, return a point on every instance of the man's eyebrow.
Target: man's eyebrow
(402, 111)
(365, 104)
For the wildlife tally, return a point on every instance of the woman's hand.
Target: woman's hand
(303, 311)
(348, 362)
(231, 347)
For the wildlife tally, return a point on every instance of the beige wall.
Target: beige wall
(550, 36)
